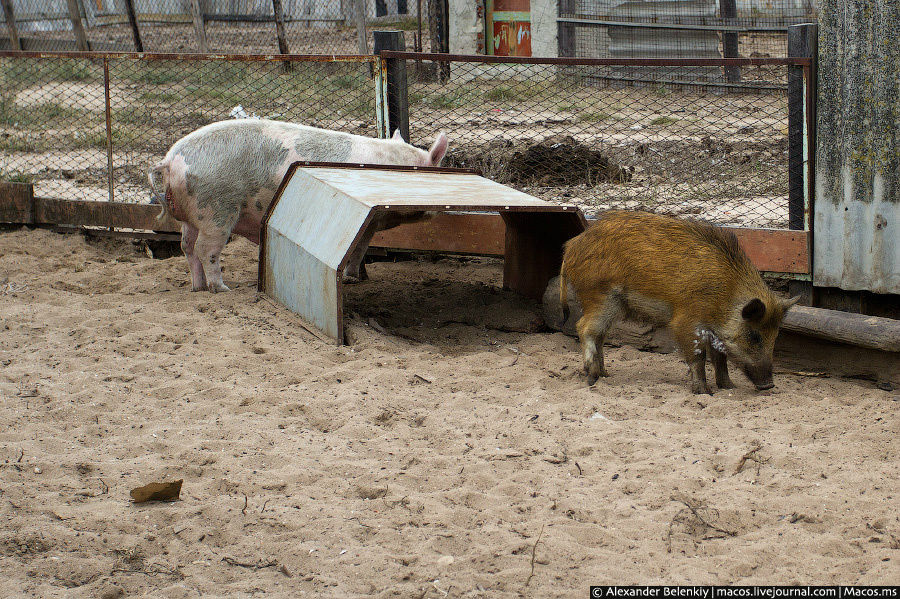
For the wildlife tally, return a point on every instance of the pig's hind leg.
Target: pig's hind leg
(188, 241)
(600, 312)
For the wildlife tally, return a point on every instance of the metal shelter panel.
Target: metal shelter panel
(441, 190)
(299, 281)
(307, 233)
(324, 219)
(321, 214)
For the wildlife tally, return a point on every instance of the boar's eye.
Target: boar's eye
(754, 337)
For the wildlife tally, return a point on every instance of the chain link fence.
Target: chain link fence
(67, 122)
(696, 29)
(233, 27)
(667, 136)
(616, 136)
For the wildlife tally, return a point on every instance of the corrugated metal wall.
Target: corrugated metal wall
(857, 203)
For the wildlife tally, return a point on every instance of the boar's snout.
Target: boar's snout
(760, 375)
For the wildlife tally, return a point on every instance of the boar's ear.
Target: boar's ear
(786, 304)
(754, 310)
(397, 135)
(438, 149)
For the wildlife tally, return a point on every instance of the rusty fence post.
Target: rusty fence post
(801, 44)
(132, 22)
(9, 14)
(397, 86)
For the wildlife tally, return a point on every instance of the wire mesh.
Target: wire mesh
(234, 27)
(53, 113)
(697, 29)
(604, 137)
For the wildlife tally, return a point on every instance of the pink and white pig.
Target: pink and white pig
(221, 178)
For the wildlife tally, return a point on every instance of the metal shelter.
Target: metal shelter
(323, 212)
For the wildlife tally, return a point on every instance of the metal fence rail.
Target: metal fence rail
(88, 125)
(617, 133)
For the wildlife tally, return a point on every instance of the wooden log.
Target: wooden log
(77, 26)
(199, 26)
(10, 16)
(872, 332)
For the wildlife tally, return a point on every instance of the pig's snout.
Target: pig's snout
(760, 375)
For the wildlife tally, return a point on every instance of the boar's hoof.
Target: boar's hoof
(698, 388)
(765, 386)
(216, 288)
(593, 378)
(726, 384)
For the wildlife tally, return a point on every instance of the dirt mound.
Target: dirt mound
(551, 162)
(563, 161)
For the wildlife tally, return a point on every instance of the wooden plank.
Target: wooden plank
(16, 203)
(481, 234)
(775, 250)
(101, 214)
(144, 235)
(771, 250)
(861, 330)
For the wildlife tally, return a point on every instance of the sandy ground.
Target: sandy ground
(448, 452)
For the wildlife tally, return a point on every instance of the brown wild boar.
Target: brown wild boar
(688, 275)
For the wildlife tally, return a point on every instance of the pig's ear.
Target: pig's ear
(754, 310)
(438, 149)
(397, 135)
(788, 303)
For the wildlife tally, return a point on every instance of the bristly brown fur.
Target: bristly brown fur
(689, 275)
